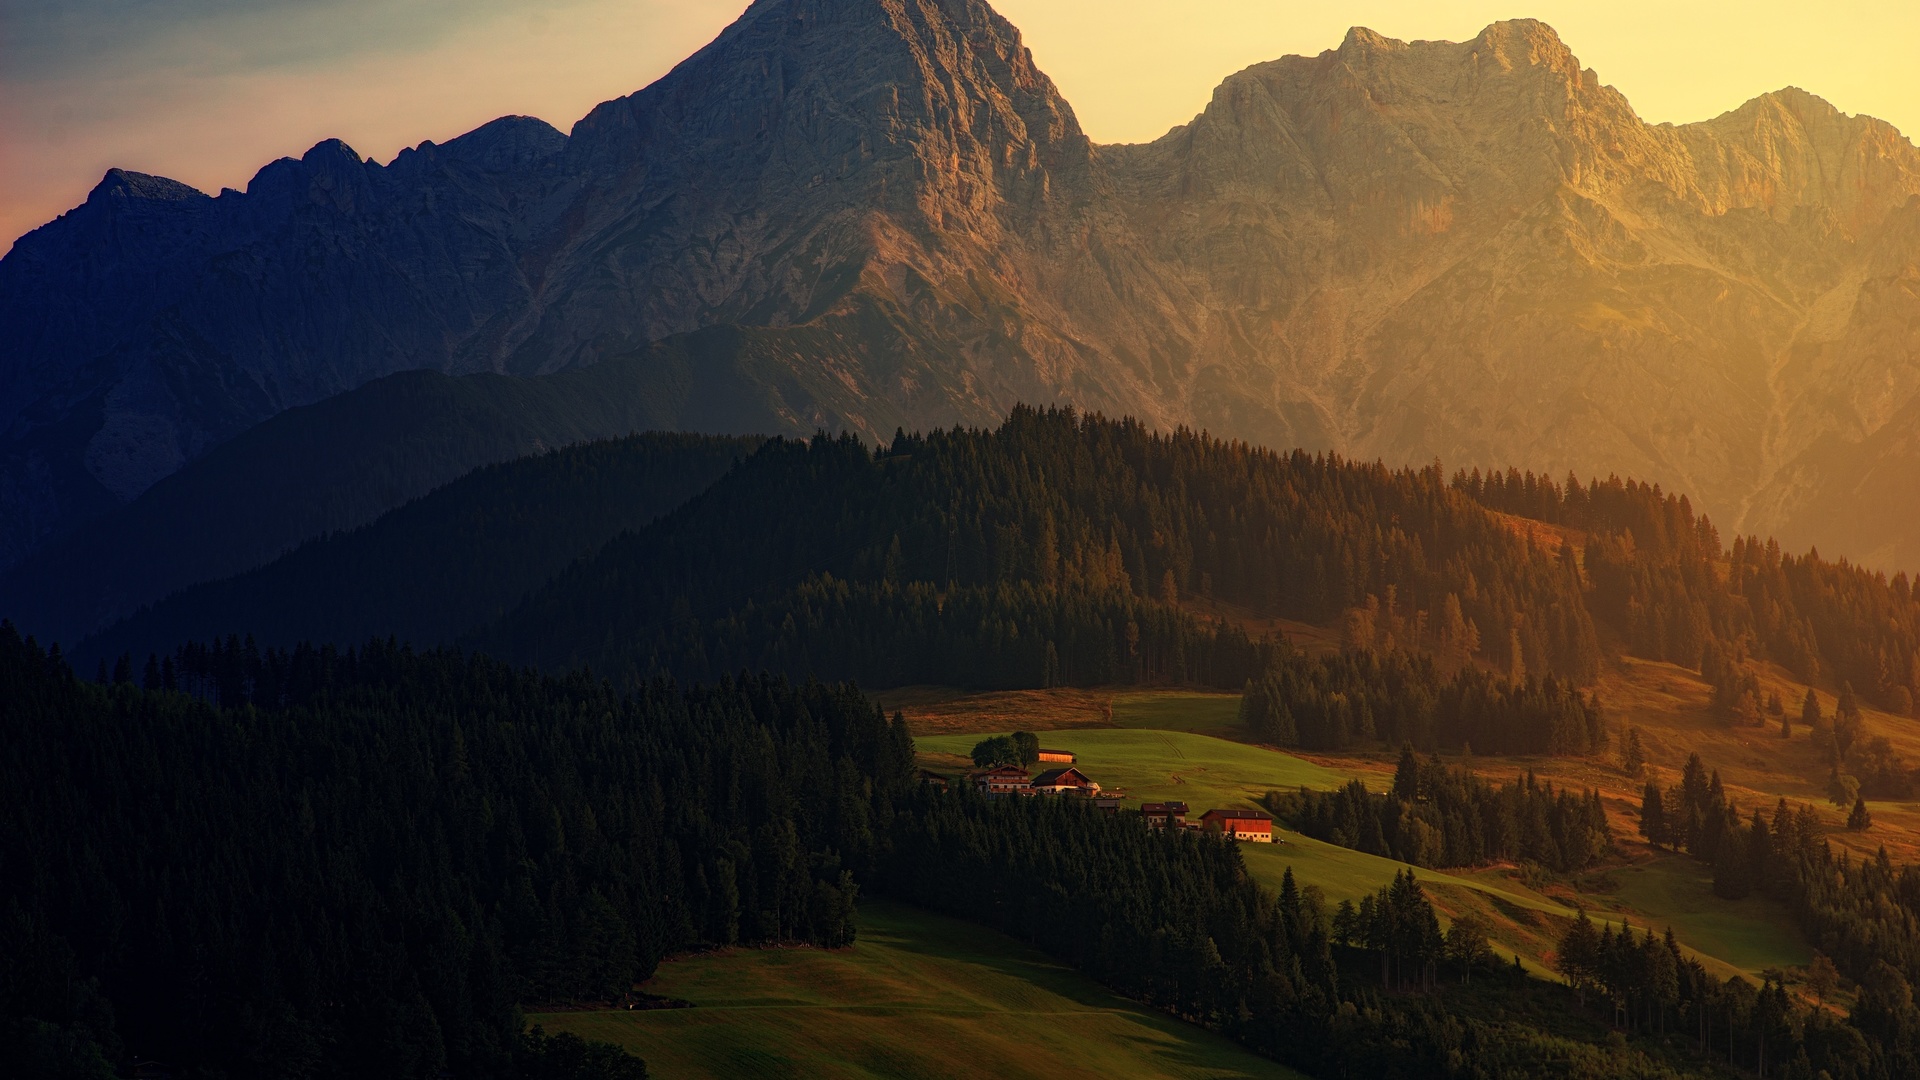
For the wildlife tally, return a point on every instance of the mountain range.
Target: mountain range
(867, 214)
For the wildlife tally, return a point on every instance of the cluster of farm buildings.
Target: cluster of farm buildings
(1065, 779)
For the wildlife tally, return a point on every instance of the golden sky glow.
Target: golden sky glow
(230, 84)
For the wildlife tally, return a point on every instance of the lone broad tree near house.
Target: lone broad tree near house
(997, 750)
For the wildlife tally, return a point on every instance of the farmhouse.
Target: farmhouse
(1254, 825)
(1002, 780)
(1065, 781)
(1160, 815)
(1058, 755)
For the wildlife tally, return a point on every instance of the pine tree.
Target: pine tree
(1810, 716)
(1406, 775)
(1633, 756)
(1859, 820)
(1846, 722)
(1653, 815)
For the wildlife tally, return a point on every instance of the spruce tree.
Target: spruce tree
(1810, 713)
(1633, 756)
(1406, 775)
(1860, 820)
(1653, 815)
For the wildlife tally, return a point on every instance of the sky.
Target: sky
(207, 91)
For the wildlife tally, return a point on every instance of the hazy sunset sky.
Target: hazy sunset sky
(207, 91)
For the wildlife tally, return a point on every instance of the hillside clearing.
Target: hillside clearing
(917, 996)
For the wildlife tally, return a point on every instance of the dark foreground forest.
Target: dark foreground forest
(366, 862)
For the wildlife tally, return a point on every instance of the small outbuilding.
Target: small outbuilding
(1065, 756)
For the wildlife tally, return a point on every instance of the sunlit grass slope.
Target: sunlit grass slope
(918, 996)
(1527, 912)
(1205, 772)
(1148, 763)
(1178, 710)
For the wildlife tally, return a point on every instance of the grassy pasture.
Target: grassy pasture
(1149, 764)
(1178, 710)
(1747, 934)
(918, 996)
(1205, 772)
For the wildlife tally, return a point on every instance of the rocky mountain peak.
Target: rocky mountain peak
(1790, 149)
(1524, 42)
(506, 144)
(126, 184)
(892, 93)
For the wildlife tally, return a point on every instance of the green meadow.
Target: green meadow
(1178, 710)
(1751, 935)
(917, 996)
(1151, 764)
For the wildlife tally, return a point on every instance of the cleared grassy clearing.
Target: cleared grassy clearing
(918, 996)
(1178, 710)
(1204, 772)
(1670, 706)
(1747, 934)
(1150, 764)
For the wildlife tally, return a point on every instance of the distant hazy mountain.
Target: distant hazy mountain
(339, 464)
(448, 563)
(1471, 251)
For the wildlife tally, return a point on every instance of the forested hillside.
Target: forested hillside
(1066, 549)
(449, 562)
(1657, 574)
(1053, 533)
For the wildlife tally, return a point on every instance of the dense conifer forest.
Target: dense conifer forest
(362, 863)
(1088, 517)
(1862, 913)
(1658, 574)
(1068, 549)
(1360, 698)
(1435, 816)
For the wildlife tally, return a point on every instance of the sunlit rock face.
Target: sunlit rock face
(1472, 251)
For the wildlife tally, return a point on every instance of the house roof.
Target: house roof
(1000, 771)
(1059, 777)
(1065, 753)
